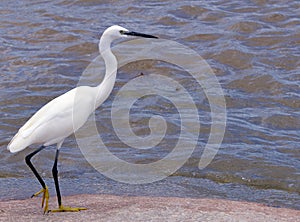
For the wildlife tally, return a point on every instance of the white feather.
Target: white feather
(55, 121)
(65, 114)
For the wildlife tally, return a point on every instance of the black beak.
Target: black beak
(140, 35)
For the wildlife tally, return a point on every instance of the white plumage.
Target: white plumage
(55, 121)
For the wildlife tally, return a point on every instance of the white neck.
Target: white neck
(105, 87)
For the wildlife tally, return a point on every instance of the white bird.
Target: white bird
(65, 114)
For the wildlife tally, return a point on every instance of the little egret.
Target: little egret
(56, 120)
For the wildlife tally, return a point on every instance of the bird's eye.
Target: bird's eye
(122, 32)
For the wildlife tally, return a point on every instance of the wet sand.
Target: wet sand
(128, 208)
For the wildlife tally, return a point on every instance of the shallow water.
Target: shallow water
(252, 47)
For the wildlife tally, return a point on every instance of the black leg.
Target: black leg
(28, 162)
(55, 176)
(61, 208)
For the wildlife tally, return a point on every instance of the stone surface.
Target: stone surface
(128, 208)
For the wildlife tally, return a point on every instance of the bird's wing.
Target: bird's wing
(58, 107)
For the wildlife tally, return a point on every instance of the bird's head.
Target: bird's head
(116, 32)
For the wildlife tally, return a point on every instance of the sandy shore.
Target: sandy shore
(124, 208)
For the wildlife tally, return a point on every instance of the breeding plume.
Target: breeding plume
(56, 120)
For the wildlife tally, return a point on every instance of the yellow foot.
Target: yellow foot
(45, 199)
(67, 209)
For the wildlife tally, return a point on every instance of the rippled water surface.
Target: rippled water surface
(252, 47)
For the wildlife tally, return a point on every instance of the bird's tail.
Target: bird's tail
(18, 143)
